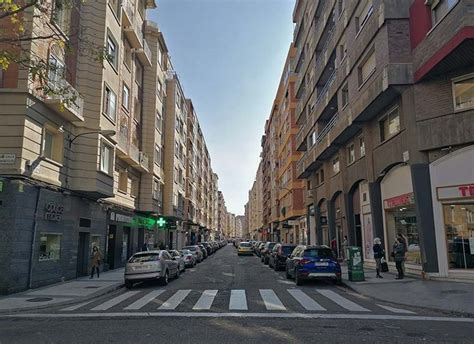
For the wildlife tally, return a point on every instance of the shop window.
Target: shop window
(335, 165)
(459, 227)
(440, 8)
(463, 90)
(127, 58)
(350, 154)
(390, 125)
(367, 66)
(110, 103)
(345, 95)
(123, 181)
(126, 97)
(364, 14)
(106, 158)
(111, 50)
(50, 247)
(134, 185)
(52, 145)
(362, 146)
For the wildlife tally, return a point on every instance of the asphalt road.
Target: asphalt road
(230, 299)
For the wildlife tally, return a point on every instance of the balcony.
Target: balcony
(64, 100)
(127, 13)
(132, 28)
(144, 162)
(144, 54)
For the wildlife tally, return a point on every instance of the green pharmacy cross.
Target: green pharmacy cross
(161, 222)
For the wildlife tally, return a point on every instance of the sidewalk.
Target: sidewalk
(446, 296)
(72, 291)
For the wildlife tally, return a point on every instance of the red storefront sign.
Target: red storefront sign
(399, 201)
(456, 192)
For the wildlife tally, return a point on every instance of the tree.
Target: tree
(28, 25)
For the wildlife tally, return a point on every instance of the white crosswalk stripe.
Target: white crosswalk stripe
(238, 300)
(342, 301)
(175, 300)
(271, 300)
(75, 307)
(140, 303)
(206, 300)
(304, 300)
(115, 301)
(396, 310)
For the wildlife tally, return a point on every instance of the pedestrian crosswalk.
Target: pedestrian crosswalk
(284, 300)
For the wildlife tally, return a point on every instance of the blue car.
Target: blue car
(312, 262)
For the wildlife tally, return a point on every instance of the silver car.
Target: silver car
(176, 255)
(196, 250)
(150, 265)
(189, 258)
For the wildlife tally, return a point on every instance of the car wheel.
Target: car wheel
(288, 276)
(128, 284)
(165, 279)
(177, 273)
(265, 261)
(298, 280)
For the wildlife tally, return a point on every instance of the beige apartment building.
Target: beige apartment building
(382, 87)
(255, 206)
(222, 215)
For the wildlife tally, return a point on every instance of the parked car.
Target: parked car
(189, 258)
(176, 255)
(208, 248)
(279, 255)
(312, 262)
(150, 265)
(203, 250)
(245, 248)
(258, 249)
(196, 250)
(265, 252)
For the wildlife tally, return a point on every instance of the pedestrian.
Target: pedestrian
(144, 247)
(378, 255)
(334, 247)
(345, 243)
(398, 253)
(404, 240)
(96, 260)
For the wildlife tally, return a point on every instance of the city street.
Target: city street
(229, 299)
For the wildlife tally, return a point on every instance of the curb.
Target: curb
(444, 311)
(66, 303)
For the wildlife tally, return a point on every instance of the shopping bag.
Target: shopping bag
(384, 265)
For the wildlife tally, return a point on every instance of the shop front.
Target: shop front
(452, 180)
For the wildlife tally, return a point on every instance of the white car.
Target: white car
(150, 265)
(176, 255)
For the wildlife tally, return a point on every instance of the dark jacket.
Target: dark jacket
(378, 251)
(399, 252)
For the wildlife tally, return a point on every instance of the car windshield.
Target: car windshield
(191, 248)
(185, 251)
(245, 244)
(270, 245)
(318, 253)
(141, 258)
(287, 249)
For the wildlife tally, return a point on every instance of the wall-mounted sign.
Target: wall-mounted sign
(53, 212)
(7, 159)
(456, 192)
(399, 201)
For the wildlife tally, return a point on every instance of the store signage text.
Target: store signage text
(7, 159)
(467, 190)
(454, 192)
(399, 201)
(53, 212)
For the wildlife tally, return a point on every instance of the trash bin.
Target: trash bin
(355, 264)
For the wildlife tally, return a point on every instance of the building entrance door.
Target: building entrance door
(82, 254)
(111, 240)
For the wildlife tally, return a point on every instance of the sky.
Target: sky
(229, 56)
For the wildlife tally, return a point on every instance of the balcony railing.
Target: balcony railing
(128, 9)
(327, 128)
(326, 87)
(144, 54)
(64, 99)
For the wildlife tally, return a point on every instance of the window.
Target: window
(176, 149)
(321, 174)
(441, 8)
(364, 15)
(362, 146)
(52, 145)
(56, 69)
(175, 199)
(335, 165)
(350, 154)
(159, 88)
(62, 15)
(156, 190)
(115, 6)
(176, 175)
(138, 73)
(340, 7)
(180, 176)
(127, 59)
(126, 97)
(390, 125)
(159, 121)
(111, 50)
(106, 156)
(342, 50)
(464, 93)
(110, 101)
(367, 67)
(123, 181)
(134, 187)
(345, 95)
(157, 155)
(50, 247)
(160, 56)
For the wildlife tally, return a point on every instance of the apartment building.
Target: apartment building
(381, 87)
(231, 225)
(221, 214)
(73, 141)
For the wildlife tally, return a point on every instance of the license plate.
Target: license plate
(320, 264)
(141, 267)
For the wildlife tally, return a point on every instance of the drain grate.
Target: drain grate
(39, 299)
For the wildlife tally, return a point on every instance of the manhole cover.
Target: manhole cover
(92, 287)
(39, 299)
(453, 292)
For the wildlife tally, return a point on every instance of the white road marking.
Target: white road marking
(115, 301)
(144, 300)
(396, 310)
(75, 307)
(242, 315)
(206, 300)
(238, 300)
(304, 300)
(175, 300)
(271, 300)
(342, 301)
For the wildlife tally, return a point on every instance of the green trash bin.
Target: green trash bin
(355, 264)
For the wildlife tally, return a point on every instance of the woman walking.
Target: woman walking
(378, 255)
(398, 254)
(95, 261)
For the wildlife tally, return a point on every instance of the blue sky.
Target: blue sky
(229, 55)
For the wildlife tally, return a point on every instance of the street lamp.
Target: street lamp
(107, 133)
